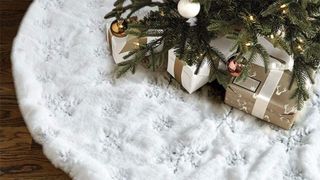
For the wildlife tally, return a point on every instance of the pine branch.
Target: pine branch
(292, 25)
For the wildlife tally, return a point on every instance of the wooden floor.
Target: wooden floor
(20, 157)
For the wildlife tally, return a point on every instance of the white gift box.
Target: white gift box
(121, 46)
(224, 45)
(185, 74)
(276, 54)
(188, 79)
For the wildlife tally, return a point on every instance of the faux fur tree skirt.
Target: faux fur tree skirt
(138, 127)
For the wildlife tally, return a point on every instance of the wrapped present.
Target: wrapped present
(121, 44)
(264, 95)
(185, 74)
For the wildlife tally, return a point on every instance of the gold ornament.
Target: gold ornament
(119, 27)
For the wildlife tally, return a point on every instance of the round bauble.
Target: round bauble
(188, 9)
(119, 27)
(234, 67)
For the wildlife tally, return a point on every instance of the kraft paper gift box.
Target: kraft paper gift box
(265, 95)
(121, 46)
(185, 74)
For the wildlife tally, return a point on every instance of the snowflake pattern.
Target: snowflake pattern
(61, 104)
(95, 4)
(110, 141)
(48, 4)
(44, 135)
(294, 174)
(100, 52)
(55, 49)
(179, 153)
(296, 138)
(121, 174)
(236, 158)
(95, 25)
(163, 123)
(112, 109)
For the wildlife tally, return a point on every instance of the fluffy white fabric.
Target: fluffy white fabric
(94, 126)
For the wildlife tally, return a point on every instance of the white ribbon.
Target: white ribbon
(266, 92)
(274, 76)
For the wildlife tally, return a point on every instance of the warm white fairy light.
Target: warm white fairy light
(272, 36)
(300, 48)
(248, 44)
(137, 44)
(284, 11)
(251, 18)
(283, 6)
(300, 40)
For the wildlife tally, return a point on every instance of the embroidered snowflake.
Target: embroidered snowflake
(180, 156)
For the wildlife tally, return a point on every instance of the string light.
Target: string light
(283, 6)
(251, 18)
(284, 11)
(272, 36)
(300, 48)
(300, 40)
(137, 44)
(248, 44)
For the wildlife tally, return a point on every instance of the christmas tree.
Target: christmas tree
(190, 26)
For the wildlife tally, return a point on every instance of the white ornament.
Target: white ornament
(188, 9)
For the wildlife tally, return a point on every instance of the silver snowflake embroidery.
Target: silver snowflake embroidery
(55, 49)
(236, 158)
(294, 174)
(112, 109)
(110, 141)
(47, 4)
(102, 77)
(94, 4)
(180, 155)
(163, 123)
(95, 25)
(43, 135)
(60, 104)
(100, 52)
(65, 156)
(153, 92)
(296, 138)
(43, 23)
(45, 77)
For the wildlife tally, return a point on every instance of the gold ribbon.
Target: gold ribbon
(110, 39)
(133, 44)
(178, 66)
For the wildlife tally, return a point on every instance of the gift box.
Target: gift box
(265, 95)
(185, 74)
(120, 46)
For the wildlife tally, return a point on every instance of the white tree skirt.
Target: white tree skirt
(94, 126)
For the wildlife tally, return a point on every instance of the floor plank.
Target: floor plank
(20, 157)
